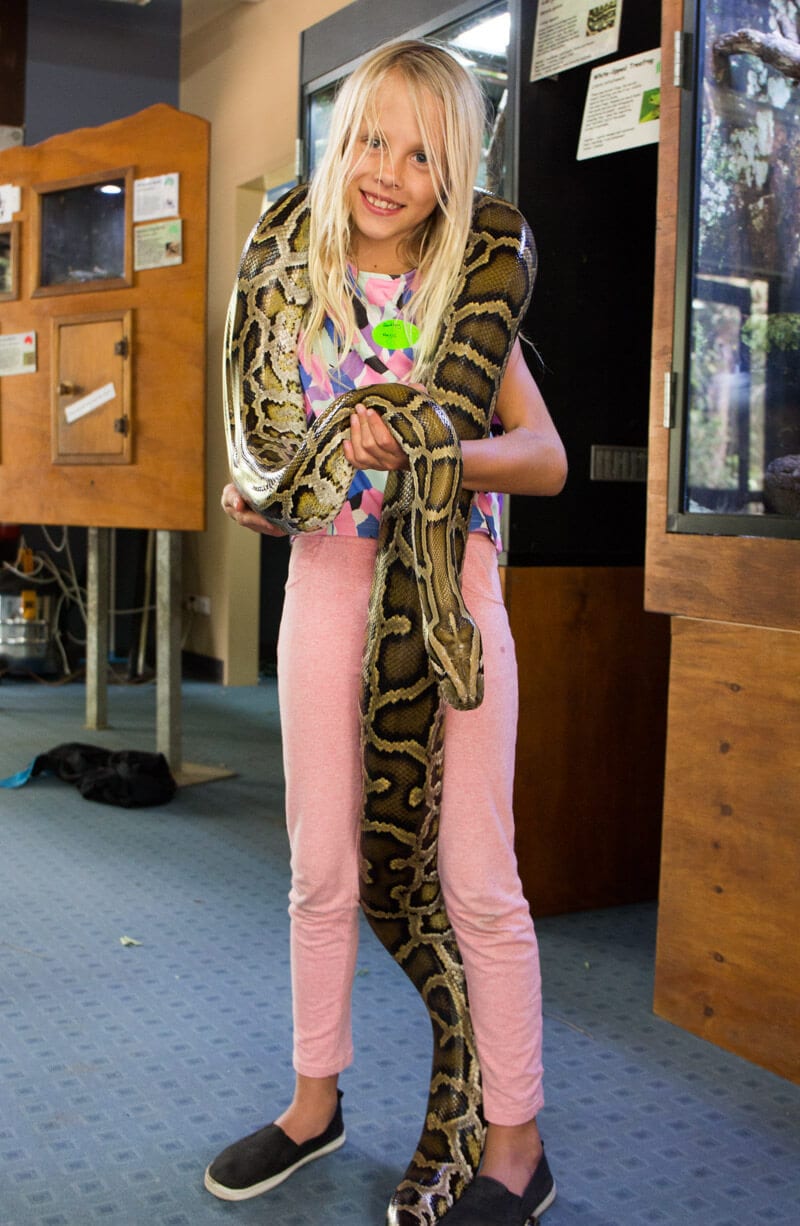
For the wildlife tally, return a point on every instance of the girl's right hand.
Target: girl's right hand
(235, 506)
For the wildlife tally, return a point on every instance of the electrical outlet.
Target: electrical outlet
(618, 463)
(199, 604)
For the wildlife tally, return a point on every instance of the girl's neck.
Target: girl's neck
(357, 274)
(376, 257)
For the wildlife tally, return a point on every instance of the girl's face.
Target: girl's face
(392, 188)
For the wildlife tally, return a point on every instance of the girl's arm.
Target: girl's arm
(528, 458)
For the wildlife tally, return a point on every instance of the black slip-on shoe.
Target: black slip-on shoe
(487, 1202)
(267, 1157)
(539, 1194)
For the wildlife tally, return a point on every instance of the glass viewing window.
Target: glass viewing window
(83, 234)
(735, 458)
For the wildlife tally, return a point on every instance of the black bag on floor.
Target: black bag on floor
(126, 777)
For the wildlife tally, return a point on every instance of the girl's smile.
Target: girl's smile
(392, 190)
(380, 204)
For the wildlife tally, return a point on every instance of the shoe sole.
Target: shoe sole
(542, 1208)
(256, 1189)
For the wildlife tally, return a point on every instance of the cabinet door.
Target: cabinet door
(91, 389)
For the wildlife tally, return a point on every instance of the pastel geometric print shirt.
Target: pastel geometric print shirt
(379, 355)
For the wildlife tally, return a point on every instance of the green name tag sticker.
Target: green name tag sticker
(395, 334)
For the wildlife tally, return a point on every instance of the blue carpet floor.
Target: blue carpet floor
(124, 1068)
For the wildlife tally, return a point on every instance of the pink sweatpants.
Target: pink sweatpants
(319, 659)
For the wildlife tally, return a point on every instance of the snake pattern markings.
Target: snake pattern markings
(423, 649)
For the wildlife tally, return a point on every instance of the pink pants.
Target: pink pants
(319, 658)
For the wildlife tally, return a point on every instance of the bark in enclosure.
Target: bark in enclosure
(778, 52)
(751, 159)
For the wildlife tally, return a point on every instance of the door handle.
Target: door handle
(68, 389)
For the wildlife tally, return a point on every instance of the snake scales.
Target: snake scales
(422, 650)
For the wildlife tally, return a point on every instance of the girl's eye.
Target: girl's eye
(421, 158)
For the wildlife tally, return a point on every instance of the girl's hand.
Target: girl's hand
(235, 506)
(371, 444)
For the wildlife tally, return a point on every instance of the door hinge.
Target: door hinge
(122, 348)
(669, 399)
(121, 425)
(682, 59)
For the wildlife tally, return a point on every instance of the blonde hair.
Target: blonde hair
(452, 133)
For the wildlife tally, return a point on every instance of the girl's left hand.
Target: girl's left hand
(371, 444)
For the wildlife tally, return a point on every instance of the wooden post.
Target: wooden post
(168, 647)
(97, 628)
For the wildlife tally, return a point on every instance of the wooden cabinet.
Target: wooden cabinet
(590, 751)
(107, 428)
(727, 961)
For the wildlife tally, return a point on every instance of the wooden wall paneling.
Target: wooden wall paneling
(590, 753)
(663, 304)
(728, 955)
(164, 486)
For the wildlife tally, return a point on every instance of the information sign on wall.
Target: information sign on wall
(573, 32)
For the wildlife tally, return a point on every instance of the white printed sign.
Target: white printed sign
(9, 201)
(573, 32)
(156, 197)
(18, 353)
(158, 244)
(622, 106)
(87, 404)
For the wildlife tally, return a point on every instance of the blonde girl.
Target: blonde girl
(390, 208)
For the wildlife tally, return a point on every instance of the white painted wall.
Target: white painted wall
(240, 70)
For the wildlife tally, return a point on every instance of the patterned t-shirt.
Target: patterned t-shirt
(377, 298)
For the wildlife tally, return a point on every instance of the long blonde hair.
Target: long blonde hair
(452, 133)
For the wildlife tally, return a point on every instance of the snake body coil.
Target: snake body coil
(422, 648)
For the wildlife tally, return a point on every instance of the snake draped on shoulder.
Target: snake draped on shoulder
(423, 649)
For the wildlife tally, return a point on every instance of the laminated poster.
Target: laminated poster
(156, 197)
(573, 32)
(18, 353)
(158, 245)
(9, 201)
(622, 106)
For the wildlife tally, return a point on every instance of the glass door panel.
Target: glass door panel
(481, 40)
(735, 465)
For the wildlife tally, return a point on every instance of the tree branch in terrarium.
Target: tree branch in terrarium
(775, 50)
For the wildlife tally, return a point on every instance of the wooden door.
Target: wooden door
(91, 389)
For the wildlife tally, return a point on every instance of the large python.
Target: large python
(422, 649)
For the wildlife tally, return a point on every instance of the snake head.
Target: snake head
(453, 645)
(460, 697)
